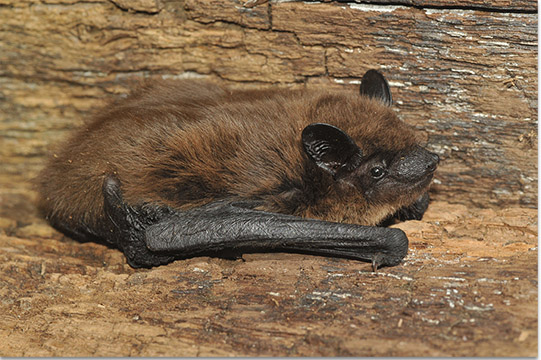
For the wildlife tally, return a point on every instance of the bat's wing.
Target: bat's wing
(151, 235)
(126, 227)
(415, 211)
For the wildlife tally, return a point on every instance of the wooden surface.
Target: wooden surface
(481, 5)
(467, 288)
(465, 75)
(466, 78)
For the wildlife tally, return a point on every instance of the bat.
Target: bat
(186, 168)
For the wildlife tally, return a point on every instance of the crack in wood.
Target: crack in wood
(148, 7)
(444, 7)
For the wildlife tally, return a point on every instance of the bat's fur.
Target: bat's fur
(186, 143)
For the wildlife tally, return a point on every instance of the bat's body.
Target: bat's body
(185, 168)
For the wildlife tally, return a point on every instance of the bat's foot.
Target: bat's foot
(377, 260)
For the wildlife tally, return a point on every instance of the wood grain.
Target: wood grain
(467, 288)
(466, 78)
(471, 85)
(484, 5)
(465, 74)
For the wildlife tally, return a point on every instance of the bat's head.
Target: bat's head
(375, 160)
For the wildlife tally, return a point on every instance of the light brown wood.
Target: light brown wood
(464, 74)
(467, 288)
(468, 79)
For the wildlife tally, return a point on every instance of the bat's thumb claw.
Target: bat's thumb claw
(111, 190)
(377, 260)
(113, 202)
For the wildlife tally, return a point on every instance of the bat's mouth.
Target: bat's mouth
(422, 183)
(425, 182)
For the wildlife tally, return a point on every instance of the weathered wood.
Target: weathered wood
(467, 288)
(457, 82)
(466, 78)
(465, 75)
(250, 14)
(492, 5)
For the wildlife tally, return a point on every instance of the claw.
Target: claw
(376, 261)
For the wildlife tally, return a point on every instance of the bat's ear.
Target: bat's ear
(330, 148)
(374, 85)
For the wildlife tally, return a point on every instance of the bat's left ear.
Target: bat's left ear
(330, 148)
(374, 85)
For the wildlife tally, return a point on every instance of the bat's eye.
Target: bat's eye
(377, 172)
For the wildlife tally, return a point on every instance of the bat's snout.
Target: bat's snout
(417, 164)
(432, 162)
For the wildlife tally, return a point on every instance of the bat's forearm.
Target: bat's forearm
(224, 226)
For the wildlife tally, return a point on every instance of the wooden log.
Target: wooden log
(483, 5)
(465, 75)
(467, 78)
(471, 85)
(466, 289)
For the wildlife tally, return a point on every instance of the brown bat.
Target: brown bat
(186, 168)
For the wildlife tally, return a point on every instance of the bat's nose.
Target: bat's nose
(433, 162)
(417, 163)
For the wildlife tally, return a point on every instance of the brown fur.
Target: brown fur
(186, 143)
